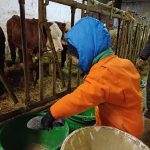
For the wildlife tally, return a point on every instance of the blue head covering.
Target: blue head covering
(89, 37)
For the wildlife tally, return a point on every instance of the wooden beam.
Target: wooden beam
(100, 8)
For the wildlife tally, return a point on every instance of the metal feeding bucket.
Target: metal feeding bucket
(102, 138)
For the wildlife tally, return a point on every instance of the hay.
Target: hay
(35, 146)
(13, 74)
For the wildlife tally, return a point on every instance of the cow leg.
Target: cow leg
(20, 55)
(13, 53)
(63, 55)
(36, 69)
(31, 68)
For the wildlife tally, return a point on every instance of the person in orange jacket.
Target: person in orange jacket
(112, 84)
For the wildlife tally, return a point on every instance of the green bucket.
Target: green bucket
(84, 119)
(87, 116)
(16, 136)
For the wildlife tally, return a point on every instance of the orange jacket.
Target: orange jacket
(113, 85)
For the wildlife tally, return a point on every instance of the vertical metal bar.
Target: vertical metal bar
(118, 4)
(54, 78)
(139, 42)
(88, 3)
(130, 30)
(9, 90)
(24, 50)
(136, 40)
(143, 36)
(73, 9)
(41, 16)
(131, 40)
(55, 57)
(82, 10)
(78, 77)
(123, 48)
(118, 36)
(69, 55)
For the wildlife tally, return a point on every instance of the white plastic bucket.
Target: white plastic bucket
(102, 138)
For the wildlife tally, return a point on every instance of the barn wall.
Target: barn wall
(55, 12)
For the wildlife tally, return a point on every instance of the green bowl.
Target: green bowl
(16, 136)
(87, 116)
(74, 125)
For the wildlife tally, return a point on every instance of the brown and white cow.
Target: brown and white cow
(14, 40)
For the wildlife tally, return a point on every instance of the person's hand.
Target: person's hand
(139, 62)
(48, 121)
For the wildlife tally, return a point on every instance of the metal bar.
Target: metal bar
(143, 36)
(54, 53)
(129, 40)
(9, 90)
(83, 11)
(24, 50)
(118, 35)
(54, 78)
(69, 55)
(42, 18)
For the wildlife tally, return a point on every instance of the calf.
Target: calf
(14, 40)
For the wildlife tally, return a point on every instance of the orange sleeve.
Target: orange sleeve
(92, 92)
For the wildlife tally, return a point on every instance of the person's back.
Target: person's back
(112, 84)
(122, 105)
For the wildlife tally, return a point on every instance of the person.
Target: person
(144, 55)
(112, 84)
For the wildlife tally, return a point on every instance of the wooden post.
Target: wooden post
(24, 50)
